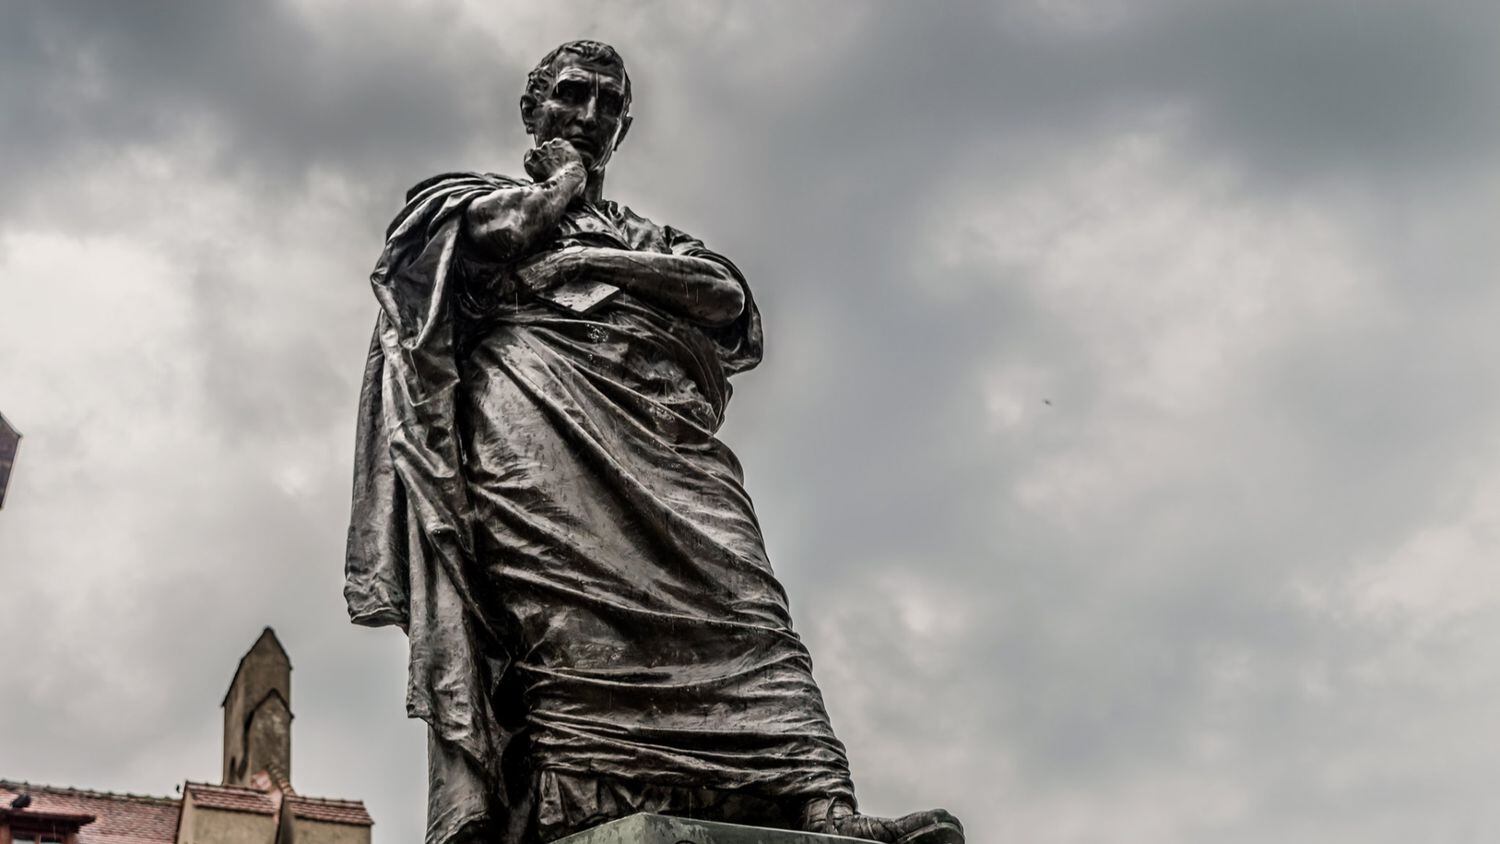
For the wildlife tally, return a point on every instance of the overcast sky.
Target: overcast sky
(1128, 437)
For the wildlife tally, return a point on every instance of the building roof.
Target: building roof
(230, 798)
(121, 818)
(329, 811)
(147, 819)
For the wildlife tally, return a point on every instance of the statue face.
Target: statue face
(585, 106)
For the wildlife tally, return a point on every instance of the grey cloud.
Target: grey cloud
(279, 94)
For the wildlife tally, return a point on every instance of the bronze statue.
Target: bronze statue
(541, 503)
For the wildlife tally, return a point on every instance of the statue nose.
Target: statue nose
(589, 114)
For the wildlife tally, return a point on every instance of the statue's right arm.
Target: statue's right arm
(510, 222)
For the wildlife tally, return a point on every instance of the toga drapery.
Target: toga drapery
(541, 502)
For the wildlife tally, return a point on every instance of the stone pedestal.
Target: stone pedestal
(660, 829)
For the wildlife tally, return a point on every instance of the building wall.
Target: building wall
(215, 826)
(318, 832)
(268, 738)
(185, 822)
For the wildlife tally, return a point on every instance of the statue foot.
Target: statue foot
(837, 817)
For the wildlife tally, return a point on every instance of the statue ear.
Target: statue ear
(528, 113)
(624, 128)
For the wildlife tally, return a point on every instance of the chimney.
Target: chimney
(258, 715)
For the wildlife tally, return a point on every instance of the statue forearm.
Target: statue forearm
(510, 222)
(696, 288)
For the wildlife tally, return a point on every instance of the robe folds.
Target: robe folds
(542, 504)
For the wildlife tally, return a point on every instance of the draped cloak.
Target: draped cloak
(541, 503)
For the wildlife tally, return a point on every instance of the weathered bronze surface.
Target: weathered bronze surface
(659, 829)
(541, 502)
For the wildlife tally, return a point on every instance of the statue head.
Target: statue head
(579, 92)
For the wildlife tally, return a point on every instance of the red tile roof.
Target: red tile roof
(330, 811)
(231, 798)
(122, 818)
(144, 819)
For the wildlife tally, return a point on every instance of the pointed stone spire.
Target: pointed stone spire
(10, 440)
(258, 715)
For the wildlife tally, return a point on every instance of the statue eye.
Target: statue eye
(611, 102)
(569, 90)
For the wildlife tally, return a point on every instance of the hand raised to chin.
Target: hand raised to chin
(549, 158)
